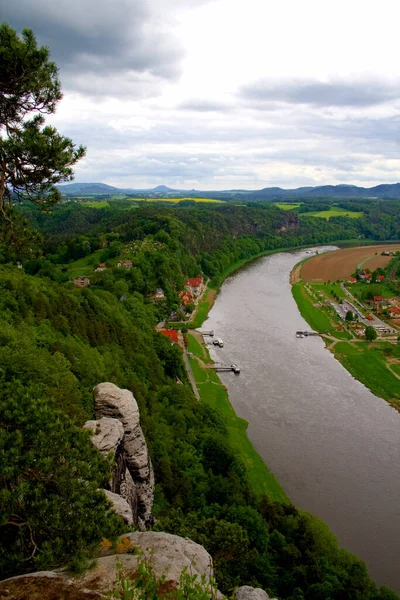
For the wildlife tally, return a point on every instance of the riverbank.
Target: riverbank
(375, 364)
(214, 393)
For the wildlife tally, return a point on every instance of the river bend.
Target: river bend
(332, 444)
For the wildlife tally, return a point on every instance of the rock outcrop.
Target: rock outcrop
(168, 555)
(117, 429)
(249, 593)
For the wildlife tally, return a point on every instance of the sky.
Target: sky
(225, 94)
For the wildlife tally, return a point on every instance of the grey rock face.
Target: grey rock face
(120, 506)
(117, 429)
(168, 555)
(249, 593)
(108, 434)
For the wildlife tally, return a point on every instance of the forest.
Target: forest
(57, 342)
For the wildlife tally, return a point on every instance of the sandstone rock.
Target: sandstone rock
(111, 401)
(120, 506)
(108, 434)
(133, 477)
(168, 554)
(249, 593)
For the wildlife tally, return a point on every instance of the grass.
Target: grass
(287, 205)
(368, 365)
(317, 318)
(328, 289)
(357, 289)
(84, 265)
(201, 313)
(213, 393)
(335, 211)
(97, 204)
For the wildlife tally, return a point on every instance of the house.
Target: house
(101, 267)
(80, 282)
(377, 299)
(380, 278)
(172, 334)
(394, 312)
(186, 298)
(19, 265)
(125, 264)
(195, 285)
(158, 294)
(352, 280)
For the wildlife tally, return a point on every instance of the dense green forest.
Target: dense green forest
(57, 342)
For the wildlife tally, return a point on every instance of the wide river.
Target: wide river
(332, 444)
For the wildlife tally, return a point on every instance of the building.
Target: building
(101, 267)
(186, 298)
(377, 299)
(125, 264)
(80, 282)
(352, 280)
(172, 334)
(394, 312)
(195, 285)
(158, 294)
(380, 278)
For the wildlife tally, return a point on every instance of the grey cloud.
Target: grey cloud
(121, 39)
(205, 106)
(339, 92)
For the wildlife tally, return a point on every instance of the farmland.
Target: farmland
(340, 264)
(177, 200)
(336, 211)
(287, 205)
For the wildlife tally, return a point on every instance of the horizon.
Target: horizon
(271, 99)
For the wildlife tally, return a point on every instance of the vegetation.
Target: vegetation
(335, 211)
(57, 342)
(33, 158)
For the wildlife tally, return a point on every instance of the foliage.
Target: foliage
(33, 157)
(370, 333)
(50, 505)
(146, 585)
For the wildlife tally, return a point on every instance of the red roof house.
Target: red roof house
(172, 334)
(394, 312)
(380, 278)
(378, 299)
(352, 280)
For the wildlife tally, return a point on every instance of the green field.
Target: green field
(287, 205)
(83, 266)
(335, 211)
(97, 204)
(317, 318)
(379, 289)
(368, 365)
(176, 200)
(213, 393)
(328, 289)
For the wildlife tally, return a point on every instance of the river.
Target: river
(332, 444)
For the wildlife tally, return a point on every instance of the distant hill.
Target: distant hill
(389, 190)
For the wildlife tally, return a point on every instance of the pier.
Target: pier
(301, 334)
(219, 367)
(210, 333)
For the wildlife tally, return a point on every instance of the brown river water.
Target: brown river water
(331, 443)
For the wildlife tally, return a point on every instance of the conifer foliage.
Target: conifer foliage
(33, 157)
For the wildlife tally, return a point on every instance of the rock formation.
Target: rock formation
(249, 593)
(117, 429)
(168, 555)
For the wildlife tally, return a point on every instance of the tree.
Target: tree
(370, 333)
(349, 316)
(33, 157)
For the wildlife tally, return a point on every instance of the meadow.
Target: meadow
(287, 205)
(335, 211)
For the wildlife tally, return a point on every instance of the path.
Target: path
(190, 374)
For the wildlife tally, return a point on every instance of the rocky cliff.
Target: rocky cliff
(117, 430)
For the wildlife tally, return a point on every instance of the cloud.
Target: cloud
(205, 105)
(361, 92)
(102, 48)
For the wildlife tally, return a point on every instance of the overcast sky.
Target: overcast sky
(222, 94)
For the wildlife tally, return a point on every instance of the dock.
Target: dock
(301, 334)
(219, 367)
(210, 333)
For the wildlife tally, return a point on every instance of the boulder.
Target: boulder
(249, 593)
(120, 506)
(168, 555)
